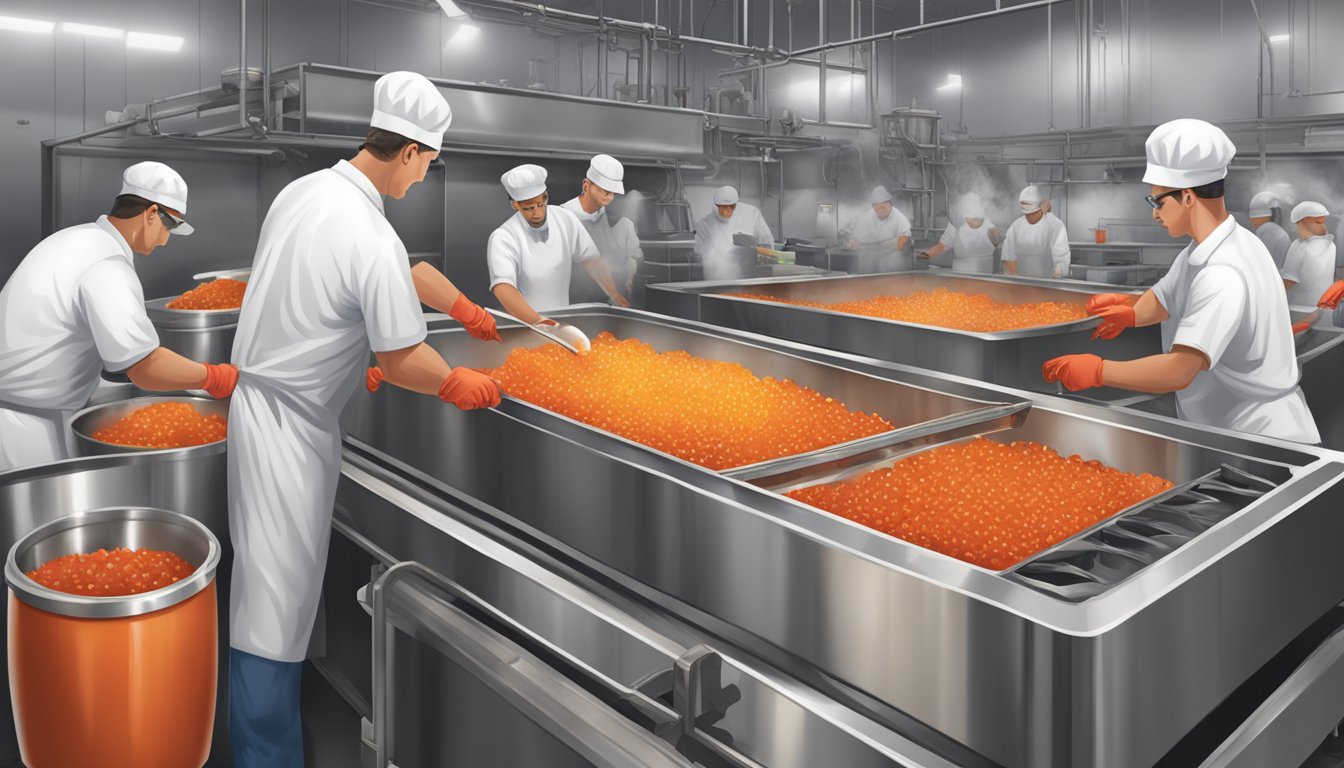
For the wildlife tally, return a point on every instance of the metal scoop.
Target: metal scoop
(237, 273)
(539, 331)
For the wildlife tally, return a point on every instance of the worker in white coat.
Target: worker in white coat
(1037, 244)
(615, 240)
(881, 227)
(531, 254)
(1309, 268)
(972, 242)
(1229, 348)
(330, 282)
(1265, 209)
(715, 231)
(74, 306)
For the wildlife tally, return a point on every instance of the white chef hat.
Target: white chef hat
(1263, 204)
(524, 182)
(1187, 153)
(971, 206)
(1308, 210)
(159, 184)
(1031, 198)
(607, 172)
(725, 196)
(879, 195)
(407, 104)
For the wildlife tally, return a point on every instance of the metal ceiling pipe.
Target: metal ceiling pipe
(895, 34)
(242, 63)
(821, 70)
(1265, 47)
(646, 68)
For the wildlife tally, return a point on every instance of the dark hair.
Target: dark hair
(128, 206)
(1211, 191)
(386, 145)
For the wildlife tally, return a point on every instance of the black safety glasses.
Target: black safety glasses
(1156, 200)
(170, 222)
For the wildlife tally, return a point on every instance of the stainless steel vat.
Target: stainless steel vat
(203, 335)
(972, 659)
(84, 423)
(1010, 358)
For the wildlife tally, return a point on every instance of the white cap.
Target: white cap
(879, 195)
(1031, 198)
(971, 206)
(1308, 210)
(159, 184)
(407, 104)
(607, 172)
(524, 182)
(1263, 204)
(1187, 153)
(725, 196)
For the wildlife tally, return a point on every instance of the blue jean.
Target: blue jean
(264, 722)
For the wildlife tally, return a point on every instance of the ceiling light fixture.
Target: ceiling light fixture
(89, 30)
(953, 83)
(170, 43)
(451, 9)
(26, 25)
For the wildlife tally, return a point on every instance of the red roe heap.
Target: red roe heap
(216, 294)
(105, 573)
(940, 307)
(986, 503)
(711, 413)
(164, 425)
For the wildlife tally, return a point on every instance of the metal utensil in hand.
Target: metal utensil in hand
(539, 331)
(236, 273)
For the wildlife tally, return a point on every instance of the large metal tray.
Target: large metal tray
(1015, 673)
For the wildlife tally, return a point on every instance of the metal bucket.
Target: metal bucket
(114, 681)
(203, 335)
(91, 419)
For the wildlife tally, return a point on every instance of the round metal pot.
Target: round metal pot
(115, 682)
(84, 423)
(203, 335)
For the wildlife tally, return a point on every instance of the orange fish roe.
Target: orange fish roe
(216, 294)
(987, 503)
(947, 309)
(121, 571)
(711, 413)
(164, 425)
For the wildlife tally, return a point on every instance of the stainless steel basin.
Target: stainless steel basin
(203, 335)
(88, 421)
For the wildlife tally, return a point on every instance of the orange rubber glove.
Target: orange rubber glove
(1100, 300)
(1332, 296)
(220, 379)
(468, 389)
(479, 323)
(1299, 327)
(1114, 320)
(1075, 372)
(373, 378)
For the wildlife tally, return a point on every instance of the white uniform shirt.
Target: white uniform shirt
(714, 235)
(1276, 239)
(1040, 249)
(73, 307)
(538, 260)
(1224, 298)
(972, 249)
(615, 240)
(1310, 264)
(868, 229)
(331, 280)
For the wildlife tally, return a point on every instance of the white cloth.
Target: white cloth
(1263, 204)
(1040, 249)
(1276, 241)
(1310, 264)
(868, 229)
(1223, 298)
(879, 195)
(156, 183)
(1031, 198)
(330, 281)
(524, 182)
(616, 241)
(972, 249)
(607, 172)
(714, 237)
(1307, 209)
(725, 196)
(1187, 153)
(29, 438)
(538, 260)
(407, 104)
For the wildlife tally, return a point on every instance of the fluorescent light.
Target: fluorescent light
(154, 42)
(451, 9)
(26, 25)
(952, 84)
(465, 33)
(90, 30)
(1278, 38)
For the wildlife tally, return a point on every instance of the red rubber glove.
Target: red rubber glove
(373, 378)
(468, 389)
(1114, 320)
(1299, 327)
(1332, 296)
(1075, 372)
(479, 323)
(1100, 300)
(220, 379)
